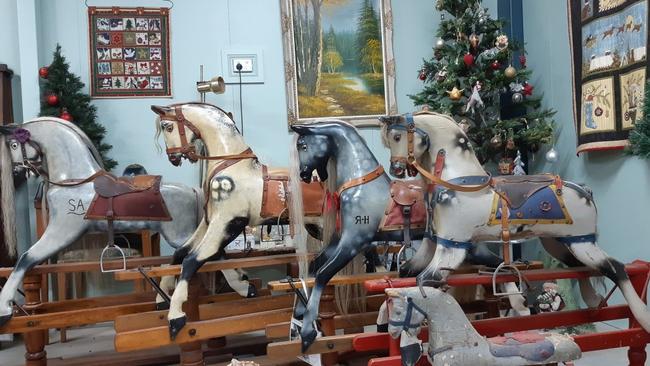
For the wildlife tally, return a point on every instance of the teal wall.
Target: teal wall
(619, 182)
(200, 29)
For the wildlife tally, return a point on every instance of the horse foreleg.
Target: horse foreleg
(55, 238)
(220, 232)
(445, 261)
(238, 280)
(422, 257)
(560, 252)
(594, 257)
(167, 282)
(346, 251)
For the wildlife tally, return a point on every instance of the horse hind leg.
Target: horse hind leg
(562, 253)
(445, 260)
(167, 282)
(594, 257)
(422, 257)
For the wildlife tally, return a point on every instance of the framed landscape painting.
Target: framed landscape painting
(338, 60)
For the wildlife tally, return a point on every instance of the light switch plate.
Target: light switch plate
(252, 62)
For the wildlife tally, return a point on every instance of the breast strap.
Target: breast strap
(376, 173)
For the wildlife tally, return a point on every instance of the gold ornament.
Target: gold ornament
(510, 144)
(455, 93)
(510, 72)
(496, 142)
(502, 42)
(474, 40)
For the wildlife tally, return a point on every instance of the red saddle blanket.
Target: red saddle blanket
(128, 198)
(403, 194)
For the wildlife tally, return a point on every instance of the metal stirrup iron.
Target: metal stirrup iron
(111, 246)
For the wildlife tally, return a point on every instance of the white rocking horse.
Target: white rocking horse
(77, 199)
(471, 207)
(453, 341)
(239, 190)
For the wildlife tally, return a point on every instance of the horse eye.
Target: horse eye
(397, 138)
(14, 145)
(169, 127)
(303, 147)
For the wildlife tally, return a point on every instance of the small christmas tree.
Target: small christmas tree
(63, 98)
(472, 78)
(640, 135)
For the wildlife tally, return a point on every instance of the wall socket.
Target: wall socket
(247, 65)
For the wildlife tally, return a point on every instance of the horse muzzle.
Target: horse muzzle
(306, 176)
(175, 158)
(398, 169)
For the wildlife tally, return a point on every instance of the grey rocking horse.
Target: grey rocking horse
(453, 341)
(367, 199)
(61, 153)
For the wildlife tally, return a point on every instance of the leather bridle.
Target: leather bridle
(412, 163)
(23, 137)
(188, 149)
(406, 323)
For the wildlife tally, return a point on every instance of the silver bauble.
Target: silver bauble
(517, 98)
(440, 43)
(551, 155)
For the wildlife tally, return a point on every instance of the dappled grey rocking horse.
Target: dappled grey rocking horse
(371, 207)
(83, 197)
(470, 207)
(453, 341)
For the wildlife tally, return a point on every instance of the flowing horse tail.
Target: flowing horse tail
(8, 218)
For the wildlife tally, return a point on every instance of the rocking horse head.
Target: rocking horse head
(181, 125)
(26, 154)
(405, 314)
(315, 149)
(406, 142)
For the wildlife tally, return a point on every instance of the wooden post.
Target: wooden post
(34, 341)
(327, 313)
(636, 355)
(192, 353)
(492, 303)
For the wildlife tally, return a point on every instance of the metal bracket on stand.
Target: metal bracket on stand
(155, 286)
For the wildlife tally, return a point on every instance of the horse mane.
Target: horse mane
(384, 126)
(213, 108)
(82, 135)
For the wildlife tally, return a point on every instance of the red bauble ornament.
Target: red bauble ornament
(66, 115)
(496, 65)
(522, 60)
(468, 59)
(528, 89)
(52, 100)
(422, 76)
(43, 72)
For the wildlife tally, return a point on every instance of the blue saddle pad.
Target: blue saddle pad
(543, 207)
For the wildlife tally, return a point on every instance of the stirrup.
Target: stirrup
(401, 253)
(108, 247)
(511, 268)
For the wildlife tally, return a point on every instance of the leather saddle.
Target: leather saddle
(406, 209)
(128, 198)
(516, 189)
(275, 193)
(111, 186)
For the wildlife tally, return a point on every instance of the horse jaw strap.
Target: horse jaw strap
(406, 323)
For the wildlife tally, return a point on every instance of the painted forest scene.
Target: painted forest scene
(339, 58)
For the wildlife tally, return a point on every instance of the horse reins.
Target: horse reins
(188, 149)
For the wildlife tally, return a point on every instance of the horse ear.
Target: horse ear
(161, 110)
(301, 129)
(387, 120)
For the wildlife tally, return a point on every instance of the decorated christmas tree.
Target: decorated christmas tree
(63, 98)
(479, 76)
(640, 135)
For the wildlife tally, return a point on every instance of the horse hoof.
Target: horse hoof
(4, 319)
(252, 291)
(244, 277)
(175, 326)
(382, 328)
(307, 339)
(162, 306)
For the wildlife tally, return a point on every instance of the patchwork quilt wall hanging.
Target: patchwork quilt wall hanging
(129, 52)
(609, 41)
